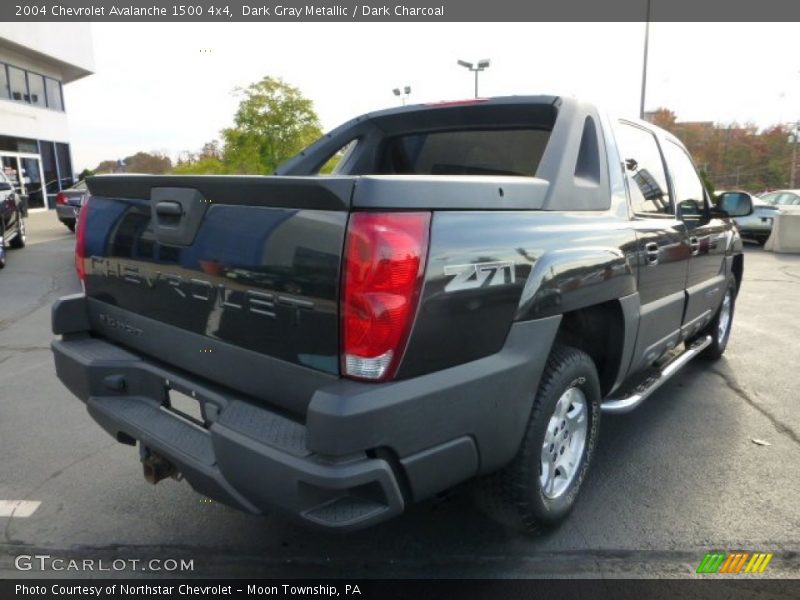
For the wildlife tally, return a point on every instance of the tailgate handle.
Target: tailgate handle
(176, 214)
(169, 208)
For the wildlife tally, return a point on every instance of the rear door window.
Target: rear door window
(644, 167)
(515, 152)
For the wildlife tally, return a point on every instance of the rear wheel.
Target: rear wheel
(70, 225)
(21, 237)
(539, 488)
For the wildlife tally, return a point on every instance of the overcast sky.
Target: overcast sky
(154, 89)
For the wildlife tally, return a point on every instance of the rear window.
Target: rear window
(473, 152)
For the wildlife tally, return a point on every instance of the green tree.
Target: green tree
(84, 174)
(273, 123)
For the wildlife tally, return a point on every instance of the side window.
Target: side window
(644, 168)
(689, 191)
(770, 198)
(335, 160)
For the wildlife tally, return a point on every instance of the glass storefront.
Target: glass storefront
(25, 174)
(38, 169)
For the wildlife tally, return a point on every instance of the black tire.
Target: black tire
(2, 244)
(19, 239)
(720, 339)
(516, 494)
(71, 226)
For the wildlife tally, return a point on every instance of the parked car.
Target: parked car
(68, 203)
(757, 225)
(781, 198)
(475, 285)
(12, 218)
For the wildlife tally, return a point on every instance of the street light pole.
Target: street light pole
(644, 62)
(482, 65)
(794, 154)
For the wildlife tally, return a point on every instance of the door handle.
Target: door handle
(168, 208)
(695, 244)
(651, 253)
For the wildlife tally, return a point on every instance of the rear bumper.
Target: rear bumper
(362, 452)
(66, 213)
(246, 456)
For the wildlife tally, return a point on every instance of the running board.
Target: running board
(652, 383)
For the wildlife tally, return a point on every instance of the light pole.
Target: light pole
(482, 65)
(794, 154)
(644, 62)
(404, 94)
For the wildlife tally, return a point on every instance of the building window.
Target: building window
(48, 152)
(36, 88)
(64, 165)
(3, 82)
(32, 88)
(54, 99)
(18, 85)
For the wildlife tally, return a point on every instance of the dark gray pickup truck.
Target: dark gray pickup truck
(473, 286)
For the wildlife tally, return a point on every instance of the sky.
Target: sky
(170, 87)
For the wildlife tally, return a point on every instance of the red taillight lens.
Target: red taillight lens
(80, 241)
(384, 261)
(61, 198)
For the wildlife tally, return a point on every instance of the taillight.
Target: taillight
(384, 262)
(80, 241)
(61, 198)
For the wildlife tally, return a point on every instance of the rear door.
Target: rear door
(662, 243)
(708, 238)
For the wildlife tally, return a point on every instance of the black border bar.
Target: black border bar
(283, 11)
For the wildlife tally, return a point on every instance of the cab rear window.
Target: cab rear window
(515, 152)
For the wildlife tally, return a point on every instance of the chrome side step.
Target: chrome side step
(641, 392)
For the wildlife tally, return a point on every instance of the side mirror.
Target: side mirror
(735, 204)
(5, 186)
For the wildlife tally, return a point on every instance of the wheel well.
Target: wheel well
(738, 270)
(599, 331)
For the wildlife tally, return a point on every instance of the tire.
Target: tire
(721, 334)
(19, 239)
(71, 226)
(2, 244)
(523, 495)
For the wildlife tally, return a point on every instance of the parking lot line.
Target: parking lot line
(18, 508)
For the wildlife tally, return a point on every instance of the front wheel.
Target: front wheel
(539, 488)
(2, 244)
(720, 327)
(21, 237)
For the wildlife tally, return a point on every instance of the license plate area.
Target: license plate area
(185, 406)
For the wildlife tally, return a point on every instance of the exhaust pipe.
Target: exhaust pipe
(157, 467)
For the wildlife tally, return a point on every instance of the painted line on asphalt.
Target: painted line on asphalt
(18, 508)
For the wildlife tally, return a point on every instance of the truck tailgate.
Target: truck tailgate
(245, 263)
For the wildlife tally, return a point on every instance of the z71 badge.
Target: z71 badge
(477, 275)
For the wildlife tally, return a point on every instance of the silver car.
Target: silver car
(781, 198)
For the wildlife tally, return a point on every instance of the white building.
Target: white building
(36, 61)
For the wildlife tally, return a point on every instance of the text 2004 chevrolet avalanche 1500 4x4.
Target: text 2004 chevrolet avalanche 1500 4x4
(471, 289)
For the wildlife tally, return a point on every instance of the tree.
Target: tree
(84, 174)
(154, 163)
(273, 123)
(733, 155)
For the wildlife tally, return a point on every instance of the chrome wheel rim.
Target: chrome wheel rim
(22, 229)
(564, 443)
(724, 321)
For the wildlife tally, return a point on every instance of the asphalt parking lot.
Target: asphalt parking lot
(676, 478)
